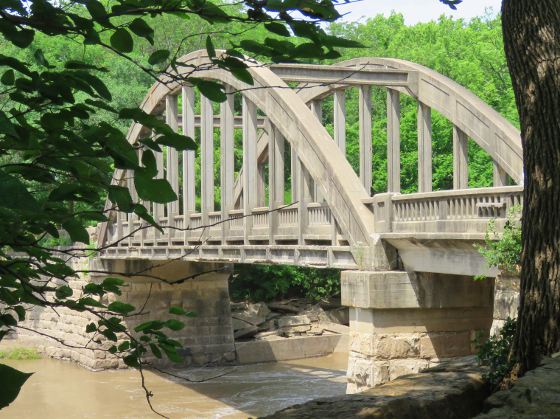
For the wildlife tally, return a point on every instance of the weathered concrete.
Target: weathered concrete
(402, 323)
(453, 390)
(285, 349)
(535, 395)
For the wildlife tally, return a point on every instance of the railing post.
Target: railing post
(275, 177)
(305, 198)
(226, 158)
(249, 163)
(365, 138)
(172, 119)
(316, 107)
(383, 212)
(460, 159)
(159, 208)
(189, 199)
(339, 118)
(424, 148)
(393, 141)
(206, 158)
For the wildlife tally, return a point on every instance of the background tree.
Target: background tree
(532, 46)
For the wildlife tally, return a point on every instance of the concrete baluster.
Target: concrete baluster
(393, 141)
(340, 119)
(172, 119)
(249, 163)
(317, 109)
(227, 157)
(366, 145)
(460, 157)
(275, 177)
(424, 148)
(189, 199)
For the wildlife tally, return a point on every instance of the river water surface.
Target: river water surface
(64, 390)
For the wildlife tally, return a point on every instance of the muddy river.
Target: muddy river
(63, 390)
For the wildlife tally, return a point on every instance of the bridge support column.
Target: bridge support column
(401, 323)
(207, 337)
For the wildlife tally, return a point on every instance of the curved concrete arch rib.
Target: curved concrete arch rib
(490, 130)
(325, 163)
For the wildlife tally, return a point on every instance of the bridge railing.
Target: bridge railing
(466, 211)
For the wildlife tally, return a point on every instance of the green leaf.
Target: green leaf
(20, 311)
(122, 41)
(76, 230)
(11, 381)
(142, 29)
(277, 28)
(8, 77)
(154, 190)
(158, 56)
(149, 325)
(120, 307)
(171, 353)
(15, 195)
(40, 58)
(177, 141)
(121, 196)
(155, 350)
(131, 361)
(125, 346)
(179, 311)
(210, 50)
(63, 292)
(212, 90)
(90, 328)
(174, 324)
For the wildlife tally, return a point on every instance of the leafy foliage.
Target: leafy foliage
(504, 252)
(496, 353)
(271, 282)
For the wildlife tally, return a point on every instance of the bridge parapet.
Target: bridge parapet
(457, 212)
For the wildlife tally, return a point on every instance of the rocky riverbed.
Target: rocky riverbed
(286, 319)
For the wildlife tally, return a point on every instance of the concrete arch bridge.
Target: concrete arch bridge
(408, 259)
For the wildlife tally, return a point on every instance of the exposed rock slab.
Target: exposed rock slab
(454, 389)
(535, 395)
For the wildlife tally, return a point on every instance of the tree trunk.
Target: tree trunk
(532, 45)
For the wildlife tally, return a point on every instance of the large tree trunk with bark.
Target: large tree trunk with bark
(532, 44)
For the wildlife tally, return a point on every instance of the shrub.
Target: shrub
(496, 353)
(270, 282)
(504, 252)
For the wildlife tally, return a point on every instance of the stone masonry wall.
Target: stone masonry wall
(506, 299)
(207, 337)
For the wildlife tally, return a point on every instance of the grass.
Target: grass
(20, 354)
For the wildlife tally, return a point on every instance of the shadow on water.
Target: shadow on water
(63, 390)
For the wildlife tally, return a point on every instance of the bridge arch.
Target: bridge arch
(347, 223)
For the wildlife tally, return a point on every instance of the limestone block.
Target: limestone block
(400, 367)
(365, 373)
(362, 343)
(391, 347)
(445, 345)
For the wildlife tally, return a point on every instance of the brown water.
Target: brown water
(63, 390)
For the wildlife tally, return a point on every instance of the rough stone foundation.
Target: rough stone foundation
(506, 299)
(207, 337)
(402, 323)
